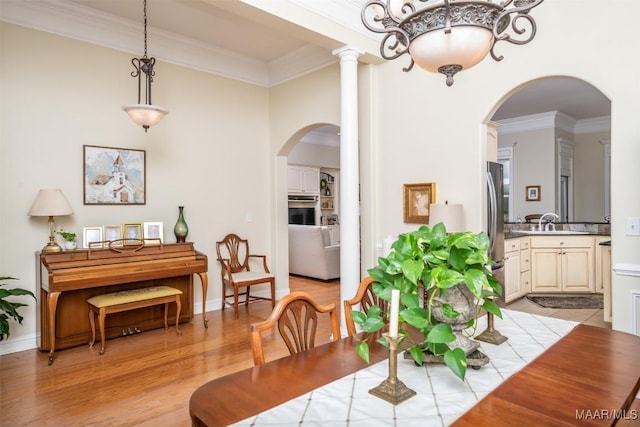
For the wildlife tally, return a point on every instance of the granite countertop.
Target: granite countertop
(523, 233)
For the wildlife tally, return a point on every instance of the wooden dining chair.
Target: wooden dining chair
(366, 298)
(296, 316)
(234, 257)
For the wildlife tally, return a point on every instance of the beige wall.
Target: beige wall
(589, 161)
(211, 154)
(315, 155)
(428, 132)
(222, 151)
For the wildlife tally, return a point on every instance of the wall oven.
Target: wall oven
(303, 209)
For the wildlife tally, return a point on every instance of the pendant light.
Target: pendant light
(147, 114)
(448, 36)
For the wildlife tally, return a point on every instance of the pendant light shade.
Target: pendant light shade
(144, 114)
(448, 36)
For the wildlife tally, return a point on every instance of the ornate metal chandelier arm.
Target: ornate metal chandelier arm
(394, 45)
(521, 11)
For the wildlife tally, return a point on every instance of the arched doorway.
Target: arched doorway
(555, 133)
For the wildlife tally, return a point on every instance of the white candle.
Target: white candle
(393, 314)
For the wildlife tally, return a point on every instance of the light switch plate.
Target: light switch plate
(632, 227)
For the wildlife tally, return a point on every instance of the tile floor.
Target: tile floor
(594, 317)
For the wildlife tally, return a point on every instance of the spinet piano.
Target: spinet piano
(68, 278)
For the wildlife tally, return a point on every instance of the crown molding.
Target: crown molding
(554, 120)
(85, 24)
(595, 124)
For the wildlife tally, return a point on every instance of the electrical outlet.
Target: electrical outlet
(632, 227)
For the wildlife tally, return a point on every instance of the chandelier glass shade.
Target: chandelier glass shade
(144, 114)
(448, 36)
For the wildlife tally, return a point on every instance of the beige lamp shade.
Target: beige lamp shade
(50, 203)
(451, 215)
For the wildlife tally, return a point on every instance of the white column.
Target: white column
(349, 176)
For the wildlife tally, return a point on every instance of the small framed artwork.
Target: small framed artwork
(416, 201)
(91, 235)
(533, 193)
(111, 233)
(153, 230)
(132, 234)
(114, 176)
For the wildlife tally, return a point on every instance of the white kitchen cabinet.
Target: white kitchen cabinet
(303, 179)
(517, 274)
(600, 272)
(562, 264)
(511, 269)
(603, 274)
(525, 266)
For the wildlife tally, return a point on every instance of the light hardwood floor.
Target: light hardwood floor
(148, 378)
(144, 379)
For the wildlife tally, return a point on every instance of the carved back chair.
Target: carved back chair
(366, 298)
(234, 257)
(296, 317)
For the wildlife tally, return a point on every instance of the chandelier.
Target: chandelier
(448, 36)
(147, 114)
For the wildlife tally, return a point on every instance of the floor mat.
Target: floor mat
(568, 301)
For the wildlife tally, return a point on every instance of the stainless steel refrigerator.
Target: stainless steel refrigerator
(495, 220)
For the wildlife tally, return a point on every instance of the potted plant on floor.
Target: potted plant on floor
(9, 309)
(437, 274)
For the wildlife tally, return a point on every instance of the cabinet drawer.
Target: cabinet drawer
(524, 243)
(562, 242)
(525, 282)
(511, 245)
(525, 262)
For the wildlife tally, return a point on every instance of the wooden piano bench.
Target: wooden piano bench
(116, 302)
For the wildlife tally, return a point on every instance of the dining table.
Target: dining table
(549, 372)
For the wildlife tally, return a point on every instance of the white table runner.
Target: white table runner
(441, 397)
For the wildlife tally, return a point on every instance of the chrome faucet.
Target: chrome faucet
(549, 225)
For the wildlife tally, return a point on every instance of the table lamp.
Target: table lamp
(50, 203)
(450, 215)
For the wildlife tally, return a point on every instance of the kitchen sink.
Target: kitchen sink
(549, 232)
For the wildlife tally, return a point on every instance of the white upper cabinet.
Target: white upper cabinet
(303, 179)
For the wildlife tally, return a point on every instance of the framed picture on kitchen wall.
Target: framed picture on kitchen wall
(114, 176)
(533, 193)
(416, 201)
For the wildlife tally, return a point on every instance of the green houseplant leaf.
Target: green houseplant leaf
(9, 309)
(423, 265)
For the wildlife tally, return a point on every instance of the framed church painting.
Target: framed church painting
(114, 176)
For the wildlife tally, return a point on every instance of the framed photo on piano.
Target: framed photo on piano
(132, 234)
(153, 230)
(111, 233)
(91, 235)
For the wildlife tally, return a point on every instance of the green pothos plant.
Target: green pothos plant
(9, 309)
(424, 264)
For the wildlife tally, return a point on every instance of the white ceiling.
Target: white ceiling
(238, 39)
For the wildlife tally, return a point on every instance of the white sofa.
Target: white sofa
(311, 254)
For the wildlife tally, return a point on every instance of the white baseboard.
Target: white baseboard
(14, 345)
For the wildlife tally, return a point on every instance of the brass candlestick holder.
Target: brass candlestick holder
(392, 389)
(491, 335)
